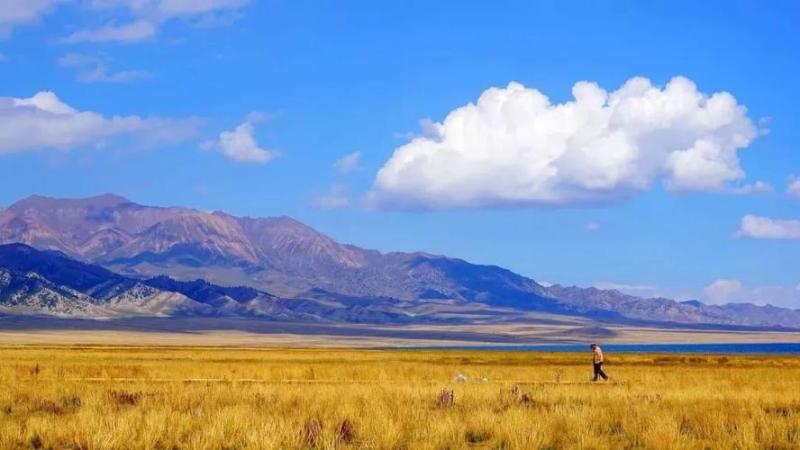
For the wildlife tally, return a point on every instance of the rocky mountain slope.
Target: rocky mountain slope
(324, 279)
(280, 255)
(48, 283)
(33, 282)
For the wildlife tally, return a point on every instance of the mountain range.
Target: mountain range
(107, 257)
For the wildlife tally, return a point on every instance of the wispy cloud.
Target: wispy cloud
(759, 187)
(731, 290)
(130, 32)
(335, 198)
(44, 122)
(147, 16)
(757, 227)
(592, 227)
(724, 291)
(793, 189)
(347, 163)
(94, 69)
(20, 12)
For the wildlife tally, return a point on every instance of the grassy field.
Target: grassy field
(226, 398)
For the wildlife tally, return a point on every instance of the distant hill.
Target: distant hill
(48, 283)
(316, 276)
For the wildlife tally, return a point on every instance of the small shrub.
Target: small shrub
(445, 399)
(477, 436)
(669, 360)
(71, 402)
(346, 432)
(35, 370)
(686, 427)
(124, 398)
(312, 432)
(262, 401)
(48, 407)
(526, 400)
(36, 442)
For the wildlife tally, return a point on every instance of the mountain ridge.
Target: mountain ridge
(289, 259)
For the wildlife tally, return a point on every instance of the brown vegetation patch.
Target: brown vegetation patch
(47, 407)
(785, 410)
(687, 427)
(124, 398)
(445, 399)
(36, 442)
(477, 436)
(71, 402)
(526, 400)
(684, 360)
(312, 432)
(346, 432)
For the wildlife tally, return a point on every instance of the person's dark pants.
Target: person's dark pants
(598, 371)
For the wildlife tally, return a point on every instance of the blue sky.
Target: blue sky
(246, 106)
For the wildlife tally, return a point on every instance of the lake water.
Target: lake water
(754, 349)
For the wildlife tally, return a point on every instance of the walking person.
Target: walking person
(597, 362)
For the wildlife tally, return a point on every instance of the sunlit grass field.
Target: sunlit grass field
(224, 398)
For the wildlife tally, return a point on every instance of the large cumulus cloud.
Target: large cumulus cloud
(515, 147)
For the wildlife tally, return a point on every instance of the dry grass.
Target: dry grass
(224, 398)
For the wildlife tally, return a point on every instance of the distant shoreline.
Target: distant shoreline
(723, 348)
(213, 332)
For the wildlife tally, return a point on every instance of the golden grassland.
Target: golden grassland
(90, 397)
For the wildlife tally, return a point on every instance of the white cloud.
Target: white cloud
(793, 188)
(44, 122)
(94, 69)
(240, 145)
(734, 291)
(147, 16)
(724, 291)
(347, 163)
(178, 8)
(759, 187)
(591, 227)
(130, 32)
(757, 227)
(3, 57)
(21, 12)
(514, 147)
(335, 198)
